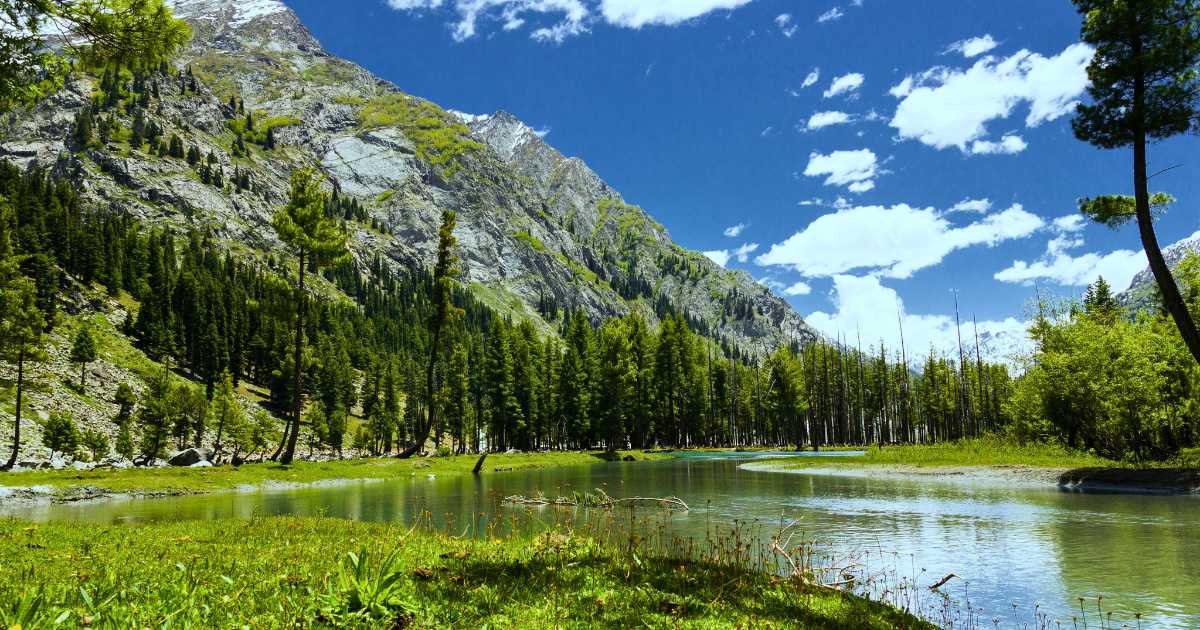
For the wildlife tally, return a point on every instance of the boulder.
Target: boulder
(77, 465)
(190, 456)
(58, 463)
(204, 463)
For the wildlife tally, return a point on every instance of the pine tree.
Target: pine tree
(95, 442)
(316, 241)
(444, 273)
(60, 435)
(83, 352)
(226, 410)
(1099, 303)
(1144, 87)
(21, 332)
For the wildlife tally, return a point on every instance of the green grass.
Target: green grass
(296, 573)
(989, 451)
(440, 139)
(197, 480)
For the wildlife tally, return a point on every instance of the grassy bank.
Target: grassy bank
(173, 480)
(976, 452)
(295, 572)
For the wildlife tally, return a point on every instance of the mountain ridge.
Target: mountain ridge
(541, 234)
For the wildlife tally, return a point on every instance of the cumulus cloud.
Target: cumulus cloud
(723, 256)
(865, 307)
(947, 107)
(835, 13)
(845, 84)
(973, 47)
(1061, 267)
(980, 206)
(1008, 145)
(893, 241)
(812, 78)
(820, 120)
(567, 18)
(844, 168)
(639, 13)
(799, 288)
(735, 231)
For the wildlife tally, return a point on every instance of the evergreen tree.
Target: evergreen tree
(83, 352)
(444, 273)
(95, 442)
(60, 435)
(226, 410)
(1144, 87)
(1099, 302)
(21, 331)
(316, 241)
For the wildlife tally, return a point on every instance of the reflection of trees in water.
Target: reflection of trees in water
(1142, 553)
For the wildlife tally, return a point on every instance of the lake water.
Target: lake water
(1014, 547)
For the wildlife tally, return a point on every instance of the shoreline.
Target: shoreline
(74, 487)
(1164, 481)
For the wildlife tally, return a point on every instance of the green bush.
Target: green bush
(60, 435)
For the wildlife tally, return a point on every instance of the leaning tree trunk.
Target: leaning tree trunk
(297, 396)
(1172, 299)
(12, 459)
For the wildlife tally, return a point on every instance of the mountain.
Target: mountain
(1143, 290)
(540, 234)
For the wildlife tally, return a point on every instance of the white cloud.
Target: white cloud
(861, 187)
(980, 206)
(1070, 223)
(1057, 265)
(893, 241)
(735, 231)
(833, 14)
(843, 168)
(844, 84)
(945, 107)
(723, 256)
(820, 120)
(799, 288)
(766, 132)
(974, 46)
(719, 256)
(569, 17)
(786, 25)
(902, 89)
(1008, 145)
(812, 78)
(639, 13)
(865, 307)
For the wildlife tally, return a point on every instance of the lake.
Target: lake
(1018, 550)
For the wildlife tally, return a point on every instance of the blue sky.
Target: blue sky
(878, 154)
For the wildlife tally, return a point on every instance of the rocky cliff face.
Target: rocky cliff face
(540, 233)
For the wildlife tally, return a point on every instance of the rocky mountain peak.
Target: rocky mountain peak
(235, 24)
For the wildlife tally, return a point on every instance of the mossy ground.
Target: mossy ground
(285, 572)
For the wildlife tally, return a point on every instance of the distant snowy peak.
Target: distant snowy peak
(505, 133)
(233, 12)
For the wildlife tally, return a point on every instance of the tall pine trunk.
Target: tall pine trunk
(12, 459)
(297, 396)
